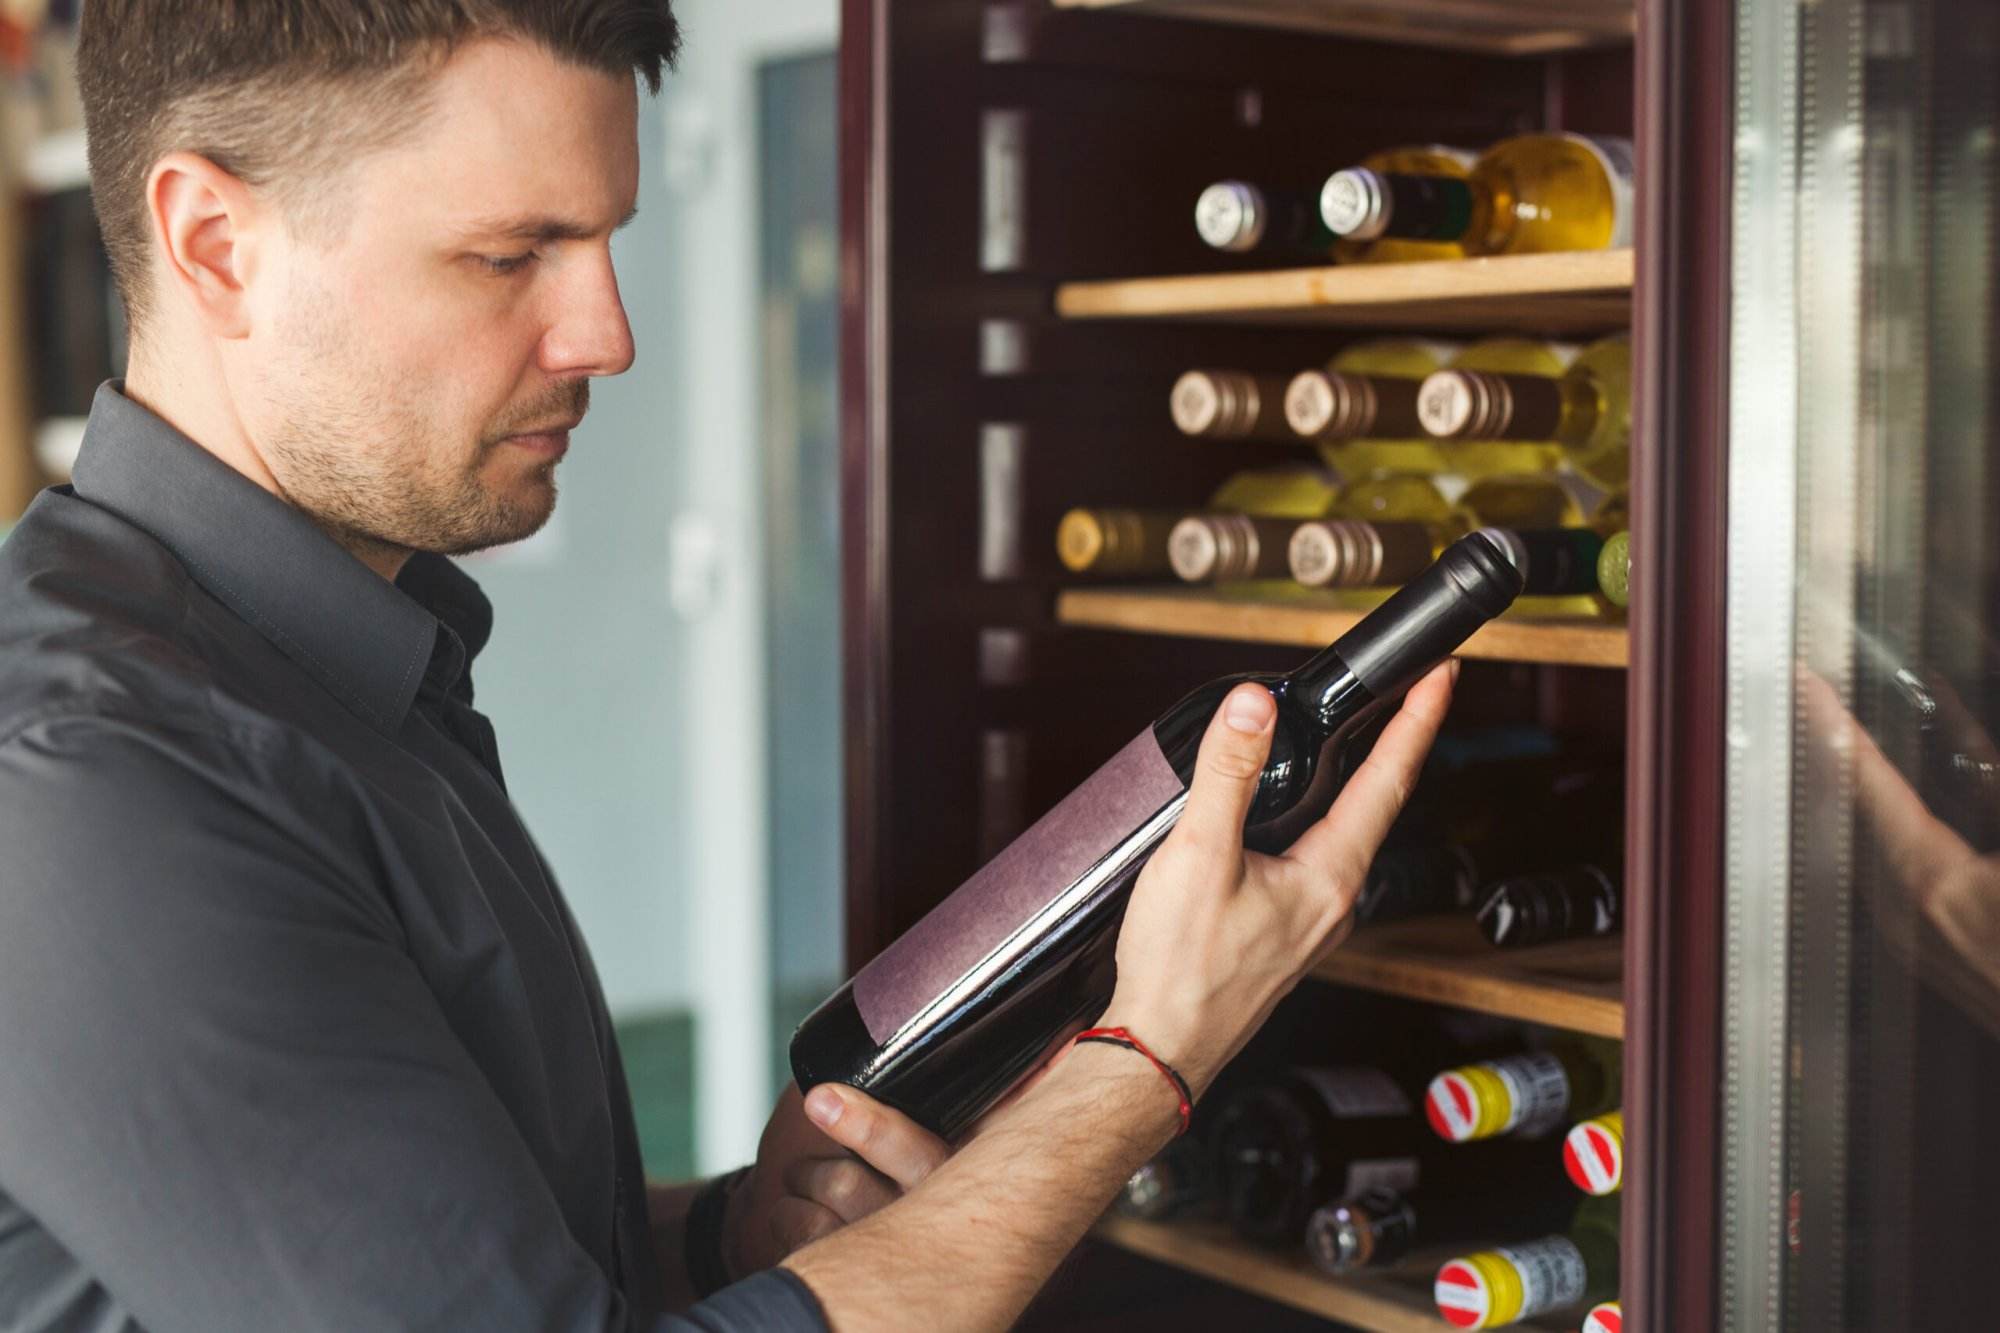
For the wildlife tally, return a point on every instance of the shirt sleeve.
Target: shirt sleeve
(229, 1092)
(774, 1301)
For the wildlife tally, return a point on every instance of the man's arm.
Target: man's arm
(228, 1090)
(970, 1248)
(1212, 939)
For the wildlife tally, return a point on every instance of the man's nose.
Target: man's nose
(590, 334)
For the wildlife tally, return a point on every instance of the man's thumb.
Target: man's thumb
(1228, 768)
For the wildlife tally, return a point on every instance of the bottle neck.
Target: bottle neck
(1327, 692)
(1363, 205)
(1336, 405)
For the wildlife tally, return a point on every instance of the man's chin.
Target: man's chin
(526, 512)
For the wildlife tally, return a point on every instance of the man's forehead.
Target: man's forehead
(519, 144)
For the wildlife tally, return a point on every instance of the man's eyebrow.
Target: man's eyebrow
(539, 230)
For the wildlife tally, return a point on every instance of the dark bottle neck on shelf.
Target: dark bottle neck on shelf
(1362, 205)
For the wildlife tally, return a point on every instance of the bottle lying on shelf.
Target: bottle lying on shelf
(958, 1010)
(1535, 192)
(1348, 553)
(1425, 162)
(1133, 543)
(1361, 409)
(1605, 1318)
(1233, 548)
(1380, 1227)
(1578, 902)
(1614, 570)
(1242, 218)
(1493, 820)
(1587, 409)
(1232, 405)
(1528, 1095)
(1500, 1286)
(1594, 1154)
(1284, 1149)
(1178, 1184)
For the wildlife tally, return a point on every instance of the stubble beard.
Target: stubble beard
(383, 485)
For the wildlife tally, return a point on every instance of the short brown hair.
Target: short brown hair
(267, 89)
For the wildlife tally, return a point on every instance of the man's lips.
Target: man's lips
(548, 441)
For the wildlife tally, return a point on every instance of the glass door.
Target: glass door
(1858, 1184)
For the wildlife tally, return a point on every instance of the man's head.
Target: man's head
(365, 244)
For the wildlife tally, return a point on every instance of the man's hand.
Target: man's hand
(1954, 889)
(1215, 936)
(1212, 939)
(806, 1185)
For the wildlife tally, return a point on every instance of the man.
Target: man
(296, 1031)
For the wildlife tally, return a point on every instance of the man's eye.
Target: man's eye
(507, 263)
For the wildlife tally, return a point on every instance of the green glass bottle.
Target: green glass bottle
(1501, 1286)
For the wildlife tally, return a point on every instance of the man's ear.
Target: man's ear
(206, 232)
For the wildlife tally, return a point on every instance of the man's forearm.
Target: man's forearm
(970, 1246)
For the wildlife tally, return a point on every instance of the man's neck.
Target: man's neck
(170, 394)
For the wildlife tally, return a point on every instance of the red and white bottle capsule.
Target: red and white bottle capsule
(1594, 1154)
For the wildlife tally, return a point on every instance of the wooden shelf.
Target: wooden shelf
(1576, 985)
(1585, 292)
(1314, 619)
(1503, 27)
(1398, 1301)
(1379, 1305)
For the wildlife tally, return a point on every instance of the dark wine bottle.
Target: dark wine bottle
(1241, 218)
(1465, 830)
(1284, 1149)
(949, 1017)
(1379, 1227)
(1575, 903)
(1178, 1183)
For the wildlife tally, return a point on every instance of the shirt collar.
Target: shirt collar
(367, 641)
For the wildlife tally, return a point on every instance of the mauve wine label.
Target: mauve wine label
(963, 931)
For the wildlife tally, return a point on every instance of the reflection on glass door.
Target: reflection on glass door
(798, 153)
(1860, 1188)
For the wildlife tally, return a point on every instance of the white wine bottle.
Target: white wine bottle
(1362, 408)
(1234, 405)
(1594, 1154)
(1498, 1287)
(1244, 533)
(1427, 161)
(1536, 192)
(1133, 543)
(1527, 1095)
(1586, 410)
(1614, 570)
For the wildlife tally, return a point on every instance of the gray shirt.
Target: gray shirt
(296, 1029)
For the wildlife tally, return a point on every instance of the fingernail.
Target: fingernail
(823, 1107)
(1456, 663)
(1248, 711)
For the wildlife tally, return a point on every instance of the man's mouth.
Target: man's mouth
(550, 441)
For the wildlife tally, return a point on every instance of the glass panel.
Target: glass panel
(800, 300)
(1863, 1047)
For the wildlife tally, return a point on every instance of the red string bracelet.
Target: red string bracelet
(1123, 1037)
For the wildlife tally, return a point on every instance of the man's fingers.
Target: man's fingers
(879, 1135)
(797, 1222)
(1341, 845)
(1922, 848)
(1226, 772)
(846, 1186)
